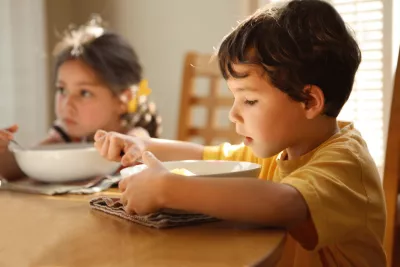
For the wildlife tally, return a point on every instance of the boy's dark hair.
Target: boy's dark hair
(303, 42)
(107, 53)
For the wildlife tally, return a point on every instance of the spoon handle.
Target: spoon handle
(18, 144)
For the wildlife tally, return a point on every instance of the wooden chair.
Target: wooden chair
(392, 167)
(197, 66)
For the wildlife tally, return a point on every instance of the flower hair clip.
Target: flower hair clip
(142, 90)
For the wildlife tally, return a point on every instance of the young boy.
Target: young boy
(290, 69)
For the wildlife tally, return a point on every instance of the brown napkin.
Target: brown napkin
(157, 220)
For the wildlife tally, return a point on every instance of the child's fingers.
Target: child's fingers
(5, 138)
(129, 210)
(150, 160)
(132, 154)
(99, 135)
(122, 187)
(13, 128)
(105, 147)
(99, 144)
(128, 159)
(123, 184)
(125, 202)
(99, 139)
(5, 135)
(115, 148)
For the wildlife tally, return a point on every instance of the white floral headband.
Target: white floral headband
(76, 36)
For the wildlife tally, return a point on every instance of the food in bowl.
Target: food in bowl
(204, 168)
(182, 171)
(63, 162)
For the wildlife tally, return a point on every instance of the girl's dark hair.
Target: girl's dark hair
(107, 53)
(303, 42)
(115, 63)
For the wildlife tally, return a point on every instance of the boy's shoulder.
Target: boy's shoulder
(347, 144)
(344, 157)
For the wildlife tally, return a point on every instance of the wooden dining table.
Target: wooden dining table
(63, 231)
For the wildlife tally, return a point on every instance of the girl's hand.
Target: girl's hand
(6, 135)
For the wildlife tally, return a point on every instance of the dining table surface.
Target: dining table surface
(63, 231)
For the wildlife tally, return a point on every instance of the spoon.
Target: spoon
(18, 144)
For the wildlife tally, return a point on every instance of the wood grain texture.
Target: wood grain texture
(39, 231)
(392, 167)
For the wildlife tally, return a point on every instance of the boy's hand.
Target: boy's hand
(141, 191)
(119, 147)
(6, 135)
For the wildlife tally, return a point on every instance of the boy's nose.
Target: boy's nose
(234, 115)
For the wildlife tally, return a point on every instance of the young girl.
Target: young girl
(99, 82)
(99, 86)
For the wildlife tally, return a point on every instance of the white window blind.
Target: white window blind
(366, 104)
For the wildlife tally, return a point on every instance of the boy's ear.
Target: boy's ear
(124, 98)
(315, 103)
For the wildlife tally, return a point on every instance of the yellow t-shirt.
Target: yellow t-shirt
(342, 188)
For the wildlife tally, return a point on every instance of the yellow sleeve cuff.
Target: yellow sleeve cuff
(211, 152)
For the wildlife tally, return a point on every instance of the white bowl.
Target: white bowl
(205, 168)
(63, 162)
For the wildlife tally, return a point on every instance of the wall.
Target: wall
(6, 67)
(23, 72)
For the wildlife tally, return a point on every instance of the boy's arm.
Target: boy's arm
(170, 150)
(239, 199)
(111, 144)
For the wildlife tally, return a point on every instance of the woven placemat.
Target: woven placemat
(114, 207)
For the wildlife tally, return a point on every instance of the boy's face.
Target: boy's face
(268, 119)
(83, 103)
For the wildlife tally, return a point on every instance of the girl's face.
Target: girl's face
(83, 103)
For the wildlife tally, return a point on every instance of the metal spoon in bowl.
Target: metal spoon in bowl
(18, 144)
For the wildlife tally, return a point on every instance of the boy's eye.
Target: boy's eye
(250, 102)
(86, 93)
